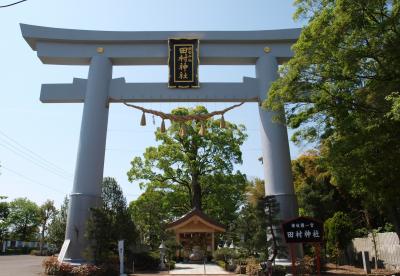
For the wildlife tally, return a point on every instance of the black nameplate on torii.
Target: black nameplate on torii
(183, 63)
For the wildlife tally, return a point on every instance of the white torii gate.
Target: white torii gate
(102, 50)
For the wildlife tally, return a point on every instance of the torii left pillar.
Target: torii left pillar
(86, 191)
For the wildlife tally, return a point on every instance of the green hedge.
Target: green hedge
(17, 251)
(145, 260)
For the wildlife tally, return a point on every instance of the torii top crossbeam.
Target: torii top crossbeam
(77, 47)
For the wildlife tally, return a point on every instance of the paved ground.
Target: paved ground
(20, 265)
(26, 265)
(197, 269)
(189, 269)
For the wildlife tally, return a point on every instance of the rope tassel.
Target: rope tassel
(162, 128)
(222, 122)
(143, 120)
(182, 131)
(202, 130)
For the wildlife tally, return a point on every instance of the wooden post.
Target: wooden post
(318, 253)
(212, 244)
(178, 241)
(293, 256)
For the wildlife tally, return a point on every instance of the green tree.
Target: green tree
(339, 231)
(57, 226)
(23, 219)
(342, 83)
(4, 212)
(151, 211)
(251, 225)
(258, 224)
(201, 168)
(109, 223)
(317, 195)
(47, 211)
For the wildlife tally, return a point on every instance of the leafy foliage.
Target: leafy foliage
(339, 231)
(53, 267)
(343, 85)
(188, 172)
(251, 225)
(317, 195)
(109, 223)
(150, 212)
(4, 212)
(46, 211)
(23, 219)
(191, 165)
(225, 254)
(57, 226)
(275, 243)
(258, 225)
(146, 261)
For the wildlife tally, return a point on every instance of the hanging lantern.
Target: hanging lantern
(182, 131)
(202, 130)
(143, 120)
(162, 129)
(222, 122)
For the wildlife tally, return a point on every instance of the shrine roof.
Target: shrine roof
(196, 215)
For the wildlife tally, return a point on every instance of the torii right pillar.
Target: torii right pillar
(275, 145)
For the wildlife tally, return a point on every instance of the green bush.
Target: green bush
(253, 266)
(35, 252)
(221, 263)
(17, 251)
(171, 264)
(86, 270)
(145, 260)
(224, 254)
(339, 231)
(53, 267)
(310, 265)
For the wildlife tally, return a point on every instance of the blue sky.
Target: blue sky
(38, 142)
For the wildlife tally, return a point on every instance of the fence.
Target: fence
(20, 247)
(387, 247)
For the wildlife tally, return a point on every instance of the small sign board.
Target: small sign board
(63, 251)
(121, 256)
(183, 63)
(303, 230)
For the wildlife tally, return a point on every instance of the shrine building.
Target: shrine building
(195, 232)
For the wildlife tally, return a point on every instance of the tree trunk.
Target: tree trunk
(196, 191)
(373, 235)
(42, 240)
(395, 219)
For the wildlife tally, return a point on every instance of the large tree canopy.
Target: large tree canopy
(199, 169)
(186, 172)
(343, 85)
(23, 219)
